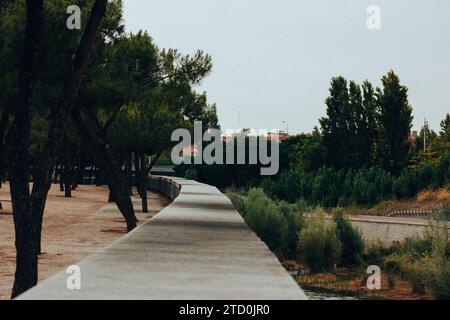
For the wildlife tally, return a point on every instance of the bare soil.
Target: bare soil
(73, 228)
(346, 282)
(425, 200)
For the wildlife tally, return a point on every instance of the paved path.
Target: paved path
(388, 229)
(197, 248)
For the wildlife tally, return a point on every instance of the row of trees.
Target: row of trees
(364, 152)
(329, 187)
(366, 126)
(92, 97)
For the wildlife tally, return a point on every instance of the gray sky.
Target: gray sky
(273, 60)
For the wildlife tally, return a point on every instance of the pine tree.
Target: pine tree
(445, 129)
(395, 121)
(334, 125)
(370, 115)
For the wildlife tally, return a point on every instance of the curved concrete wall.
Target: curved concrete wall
(198, 247)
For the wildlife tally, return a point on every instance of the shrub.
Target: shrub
(293, 213)
(319, 246)
(375, 253)
(441, 173)
(360, 188)
(424, 177)
(350, 239)
(266, 219)
(406, 185)
(417, 247)
(237, 200)
(418, 275)
(191, 174)
(396, 263)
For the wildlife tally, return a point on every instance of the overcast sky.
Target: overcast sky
(273, 60)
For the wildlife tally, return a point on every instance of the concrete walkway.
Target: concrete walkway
(388, 229)
(197, 248)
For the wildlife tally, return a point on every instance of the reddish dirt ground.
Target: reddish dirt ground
(73, 228)
(354, 284)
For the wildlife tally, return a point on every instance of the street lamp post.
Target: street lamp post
(287, 126)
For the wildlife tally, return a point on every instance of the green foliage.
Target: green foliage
(395, 123)
(278, 225)
(350, 239)
(319, 247)
(424, 261)
(375, 253)
(405, 186)
(266, 219)
(293, 215)
(191, 174)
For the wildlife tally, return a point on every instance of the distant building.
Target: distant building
(412, 137)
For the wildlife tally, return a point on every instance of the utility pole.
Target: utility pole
(287, 126)
(425, 126)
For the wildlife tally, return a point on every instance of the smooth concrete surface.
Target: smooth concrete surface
(388, 229)
(199, 247)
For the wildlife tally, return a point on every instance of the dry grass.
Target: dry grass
(73, 228)
(425, 200)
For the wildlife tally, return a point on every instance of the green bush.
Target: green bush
(406, 185)
(319, 246)
(266, 219)
(293, 213)
(424, 261)
(441, 173)
(350, 239)
(237, 200)
(375, 253)
(191, 174)
(419, 277)
(396, 264)
(424, 177)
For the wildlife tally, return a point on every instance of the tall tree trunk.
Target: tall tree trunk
(58, 128)
(143, 180)
(128, 171)
(91, 173)
(3, 128)
(67, 178)
(24, 219)
(3, 145)
(62, 178)
(80, 170)
(137, 173)
(152, 163)
(105, 160)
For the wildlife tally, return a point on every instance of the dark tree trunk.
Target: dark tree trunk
(55, 176)
(128, 171)
(3, 128)
(62, 177)
(3, 145)
(25, 221)
(98, 177)
(152, 163)
(111, 197)
(137, 173)
(67, 180)
(91, 173)
(58, 128)
(80, 170)
(143, 181)
(105, 160)
(61, 170)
